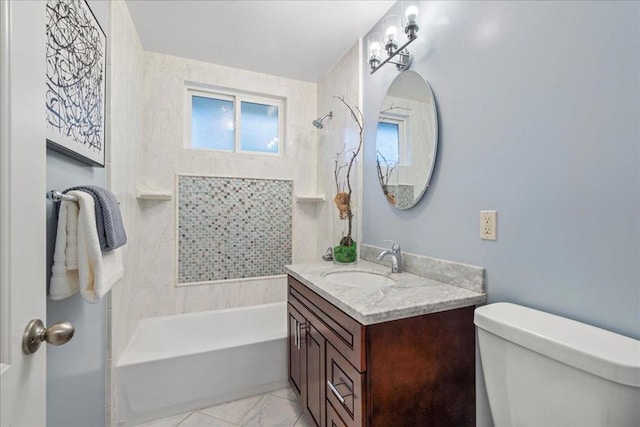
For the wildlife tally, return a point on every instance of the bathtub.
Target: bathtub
(175, 364)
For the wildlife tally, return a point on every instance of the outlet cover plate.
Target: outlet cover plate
(488, 225)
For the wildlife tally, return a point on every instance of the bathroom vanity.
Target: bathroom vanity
(371, 348)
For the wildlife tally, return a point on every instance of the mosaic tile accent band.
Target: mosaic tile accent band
(232, 228)
(404, 195)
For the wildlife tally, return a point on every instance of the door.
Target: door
(22, 209)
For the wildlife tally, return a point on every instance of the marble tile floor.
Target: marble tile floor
(275, 409)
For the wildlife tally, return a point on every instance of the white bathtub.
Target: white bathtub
(174, 364)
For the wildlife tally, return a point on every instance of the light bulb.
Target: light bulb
(412, 14)
(374, 49)
(391, 33)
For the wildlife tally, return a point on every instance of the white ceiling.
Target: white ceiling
(296, 39)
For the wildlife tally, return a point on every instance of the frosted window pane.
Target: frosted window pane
(211, 123)
(259, 124)
(387, 143)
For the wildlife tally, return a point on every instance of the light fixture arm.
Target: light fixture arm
(405, 58)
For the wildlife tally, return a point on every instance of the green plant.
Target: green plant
(345, 254)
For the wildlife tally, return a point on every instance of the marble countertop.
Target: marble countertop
(411, 295)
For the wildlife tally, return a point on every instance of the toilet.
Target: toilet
(545, 370)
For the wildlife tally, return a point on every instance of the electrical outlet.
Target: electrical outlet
(488, 224)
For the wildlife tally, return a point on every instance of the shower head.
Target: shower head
(318, 122)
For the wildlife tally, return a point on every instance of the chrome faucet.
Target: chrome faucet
(396, 256)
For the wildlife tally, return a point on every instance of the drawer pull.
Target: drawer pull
(335, 391)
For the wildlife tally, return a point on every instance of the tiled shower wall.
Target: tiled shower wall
(163, 156)
(124, 150)
(232, 228)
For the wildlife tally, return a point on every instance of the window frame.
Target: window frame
(237, 98)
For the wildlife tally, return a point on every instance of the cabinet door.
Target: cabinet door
(315, 386)
(296, 365)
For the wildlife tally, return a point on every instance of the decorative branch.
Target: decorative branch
(382, 112)
(337, 168)
(342, 198)
(358, 118)
(336, 173)
(380, 178)
(384, 178)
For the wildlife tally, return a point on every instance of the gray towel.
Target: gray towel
(108, 219)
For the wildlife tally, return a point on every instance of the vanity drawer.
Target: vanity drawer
(333, 419)
(343, 332)
(345, 391)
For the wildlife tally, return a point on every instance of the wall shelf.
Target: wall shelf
(310, 198)
(154, 195)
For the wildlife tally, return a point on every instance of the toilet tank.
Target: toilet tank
(545, 370)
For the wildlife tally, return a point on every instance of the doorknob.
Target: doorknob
(35, 332)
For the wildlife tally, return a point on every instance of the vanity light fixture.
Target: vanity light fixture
(404, 57)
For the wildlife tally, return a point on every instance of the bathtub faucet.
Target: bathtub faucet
(396, 256)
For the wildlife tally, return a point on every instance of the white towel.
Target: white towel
(64, 277)
(96, 271)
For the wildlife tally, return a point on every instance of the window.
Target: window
(390, 141)
(230, 122)
(387, 143)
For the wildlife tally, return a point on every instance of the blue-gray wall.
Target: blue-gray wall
(539, 119)
(76, 371)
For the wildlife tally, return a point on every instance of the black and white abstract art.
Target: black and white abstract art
(75, 83)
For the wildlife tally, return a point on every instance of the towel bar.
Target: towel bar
(58, 196)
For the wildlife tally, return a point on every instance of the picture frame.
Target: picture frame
(76, 71)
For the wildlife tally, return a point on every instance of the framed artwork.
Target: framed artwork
(75, 81)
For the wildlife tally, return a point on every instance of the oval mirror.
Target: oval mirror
(406, 140)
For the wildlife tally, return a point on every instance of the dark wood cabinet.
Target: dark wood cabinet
(416, 371)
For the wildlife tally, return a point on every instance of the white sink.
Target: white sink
(359, 279)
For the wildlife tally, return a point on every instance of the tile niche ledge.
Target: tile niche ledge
(464, 276)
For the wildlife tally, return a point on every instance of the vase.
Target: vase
(345, 255)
